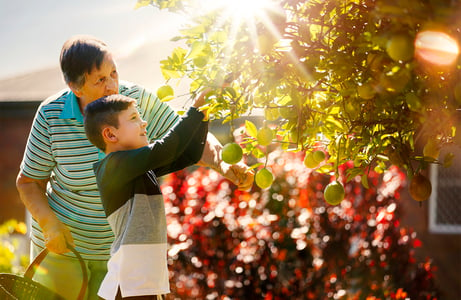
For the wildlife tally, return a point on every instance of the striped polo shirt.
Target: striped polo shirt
(57, 148)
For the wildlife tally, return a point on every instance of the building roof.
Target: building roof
(142, 66)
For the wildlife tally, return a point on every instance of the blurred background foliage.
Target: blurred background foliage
(13, 259)
(286, 242)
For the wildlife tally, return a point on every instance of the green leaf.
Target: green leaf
(256, 152)
(352, 173)
(141, 3)
(168, 73)
(218, 36)
(178, 55)
(165, 93)
(335, 123)
(252, 167)
(195, 50)
(285, 100)
(251, 129)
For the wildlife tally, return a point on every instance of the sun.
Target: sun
(255, 18)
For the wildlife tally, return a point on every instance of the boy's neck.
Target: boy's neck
(112, 148)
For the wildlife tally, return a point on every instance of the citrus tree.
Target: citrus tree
(368, 81)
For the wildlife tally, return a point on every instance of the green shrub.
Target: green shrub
(12, 256)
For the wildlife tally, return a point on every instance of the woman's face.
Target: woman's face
(99, 82)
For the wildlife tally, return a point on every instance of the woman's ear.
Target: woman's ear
(108, 134)
(75, 89)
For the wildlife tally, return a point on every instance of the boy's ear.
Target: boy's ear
(109, 135)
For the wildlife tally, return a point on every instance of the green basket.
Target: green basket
(24, 288)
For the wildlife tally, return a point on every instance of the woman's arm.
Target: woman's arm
(32, 193)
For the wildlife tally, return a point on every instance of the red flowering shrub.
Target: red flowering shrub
(286, 242)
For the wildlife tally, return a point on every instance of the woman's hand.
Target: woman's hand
(57, 236)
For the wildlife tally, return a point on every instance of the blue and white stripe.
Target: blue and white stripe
(58, 149)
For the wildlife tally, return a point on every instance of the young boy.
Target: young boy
(130, 192)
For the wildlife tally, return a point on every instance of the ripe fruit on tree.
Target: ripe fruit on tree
(200, 61)
(319, 156)
(334, 193)
(264, 178)
(265, 136)
(366, 91)
(420, 187)
(313, 159)
(413, 102)
(231, 153)
(165, 93)
(400, 47)
(352, 109)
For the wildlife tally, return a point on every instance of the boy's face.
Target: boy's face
(131, 132)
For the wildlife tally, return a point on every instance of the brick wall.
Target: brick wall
(15, 121)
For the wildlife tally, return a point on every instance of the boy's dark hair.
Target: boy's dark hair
(79, 55)
(104, 112)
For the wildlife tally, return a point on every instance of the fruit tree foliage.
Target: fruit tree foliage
(341, 76)
(286, 242)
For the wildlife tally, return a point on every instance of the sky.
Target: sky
(32, 32)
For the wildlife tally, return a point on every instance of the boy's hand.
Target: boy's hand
(201, 99)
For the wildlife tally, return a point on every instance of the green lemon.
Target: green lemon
(313, 159)
(319, 156)
(366, 91)
(165, 93)
(352, 109)
(231, 153)
(264, 178)
(334, 193)
(413, 101)
(309, 161)
(400, 47)
(265, 136)
(200, 61)
(420, 188)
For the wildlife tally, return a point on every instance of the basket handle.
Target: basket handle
(30, 271)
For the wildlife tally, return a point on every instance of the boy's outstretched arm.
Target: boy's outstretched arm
(240, 174)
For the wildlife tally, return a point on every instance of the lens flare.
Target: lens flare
(436, 47)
